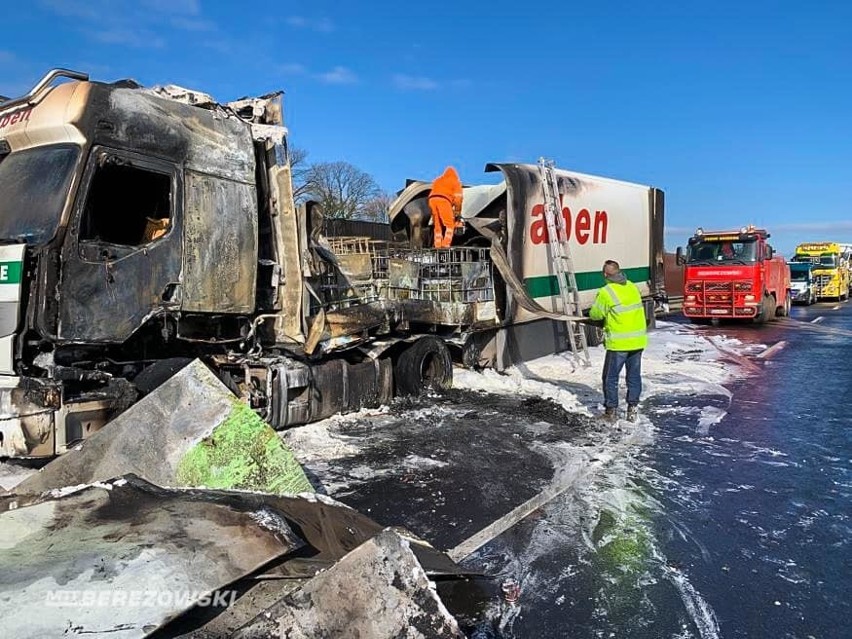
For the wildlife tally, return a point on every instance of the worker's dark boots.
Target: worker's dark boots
(610, 416)
(632, 413)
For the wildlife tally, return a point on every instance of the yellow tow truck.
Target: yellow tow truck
(831, 268)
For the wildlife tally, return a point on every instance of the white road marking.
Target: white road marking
(817, 320)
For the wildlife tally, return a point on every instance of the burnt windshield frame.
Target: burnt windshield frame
(35, 184)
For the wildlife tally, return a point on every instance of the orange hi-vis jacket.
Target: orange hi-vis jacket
(449, 187)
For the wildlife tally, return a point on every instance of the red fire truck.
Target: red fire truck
(734, 274)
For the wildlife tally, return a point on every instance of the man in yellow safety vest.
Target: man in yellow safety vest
(619, 305)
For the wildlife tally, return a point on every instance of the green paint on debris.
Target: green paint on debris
(243, 452)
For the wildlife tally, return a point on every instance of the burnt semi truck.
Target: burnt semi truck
(141, 228)
(602, 218)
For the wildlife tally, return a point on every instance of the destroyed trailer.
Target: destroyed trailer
(143, 228)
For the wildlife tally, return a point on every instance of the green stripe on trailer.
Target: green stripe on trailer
(10, 272)
(548, 285)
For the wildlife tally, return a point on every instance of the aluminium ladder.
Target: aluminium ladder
(561, 253)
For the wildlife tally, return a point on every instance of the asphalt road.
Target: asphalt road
(729, 520)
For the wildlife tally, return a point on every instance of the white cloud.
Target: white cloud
(414, 83)
(183, 7)
(680, 230)
(192, 24)
(338, 75)
(75, 8)
(320, 25)
(128, 38)
(129, 22)
(837, 225)
(293, 68)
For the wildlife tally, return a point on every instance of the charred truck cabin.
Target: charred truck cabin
(143, 228)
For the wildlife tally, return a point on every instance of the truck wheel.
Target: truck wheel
(650, 316)
(784, 311)
(767, 310)
(157, 373)
(424, 364)
(594, 335)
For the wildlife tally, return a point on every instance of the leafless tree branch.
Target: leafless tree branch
(342, 189)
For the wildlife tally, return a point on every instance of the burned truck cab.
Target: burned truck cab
(128, 233)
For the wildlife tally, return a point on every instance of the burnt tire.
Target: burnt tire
(157, 373)
(594, 335)
(425, 364)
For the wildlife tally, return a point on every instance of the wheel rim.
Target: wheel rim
(430, 369)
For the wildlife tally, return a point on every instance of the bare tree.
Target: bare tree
(299, 168)
(376, 210)
(343, 190)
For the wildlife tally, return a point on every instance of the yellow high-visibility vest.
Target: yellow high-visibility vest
(620, 307)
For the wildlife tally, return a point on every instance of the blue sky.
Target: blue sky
(740, 111)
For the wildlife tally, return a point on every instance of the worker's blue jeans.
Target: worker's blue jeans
(614, 362)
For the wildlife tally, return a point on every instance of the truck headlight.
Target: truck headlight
(749, 298)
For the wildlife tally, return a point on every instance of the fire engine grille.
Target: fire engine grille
(699, 286)
(714, 298)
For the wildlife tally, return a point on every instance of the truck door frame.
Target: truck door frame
(97, 302)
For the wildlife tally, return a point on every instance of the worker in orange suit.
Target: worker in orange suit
(445, 202)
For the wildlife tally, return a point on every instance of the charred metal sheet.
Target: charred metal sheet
(378, 591)
(478, 198)
(331, 387)
(26, 416)
(121, 558)
(37, 421)
(470, 315)
(220, 245)
(190, 431)
(181, 94)
(358, 267)
(657, 248)
(207, 141)
(289, 240)
(330, 528)
(355, 320)
(410, 212)
(261, 590)
(149, 439)
(413, 190)
(404, 275)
